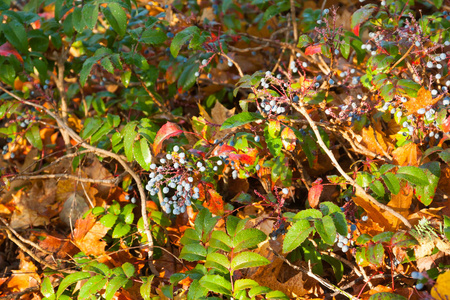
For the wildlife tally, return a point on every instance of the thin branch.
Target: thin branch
(115, 156)
(359, 190)
(321, 280)
(112, 181)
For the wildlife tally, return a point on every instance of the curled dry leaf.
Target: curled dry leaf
(88, 235)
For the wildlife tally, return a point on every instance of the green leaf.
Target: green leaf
(377, 187)
(336, 265)
(326, 229)
(383, 237)
(241, 119)
(447, 227)
(142, 154)
(86, 69)
(47, 288)
(196, 291)
(15, 34)
(269, 13)
(308, 214)
(146, 287)
(413, 175)
(375, 254)
(34, 137)
(403, 239)
(248, 238)
(205, 222)
(425, 194)
(391, 182)
(91, 286)
(220, 240)
(214, 260)
(109, 220)
(128, 269)
(235, 225)
(193, 252)
(120, 230)
(114, 285)
(216, 284)
(386, 296)
(90, 15)
(242, 284)
(129, 134)
(248, 260)
(191, 236)
(71, 279)
(187, 78)
(102, 132)
(296, 235)
(276, 295)
(116, 17)
(303, 41)
(181, 38)
(362, 14)
(78, 22)
(153, 37)
(340, 222)
(125, 77)
(107, 65)
(328, 208)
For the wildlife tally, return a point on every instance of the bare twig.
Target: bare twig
(321, 280)
(24, 240)
(112, 181)
(359, 190)
(115, 156)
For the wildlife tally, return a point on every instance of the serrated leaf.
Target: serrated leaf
(193, 252)
(340, 222)
(362, 14)
(107, 65)
(109, 220)
(181, 38)
(90, 15)
(94, 284)
(116, 17)
(71, 279)
(153, 37)
(78, 22)
(426, 193)
(241, 119)
(15, 34)
(214, 259)
(216, 284)
(187, 78)
(296, 235)
(242, 284)
(377, 187)
(308, 214)
(391, 182)
(248, 238)
(220, 240)
(386, 296)
(248, 260)
(413, 175)
(104, 129)
(86, 69)
(146, 287)
(326, 229)
(115, 284)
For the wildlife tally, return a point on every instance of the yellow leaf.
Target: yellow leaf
(440, 290)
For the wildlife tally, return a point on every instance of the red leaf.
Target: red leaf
(446, 125)
(314, 193)
(242, 158)
(356, 29)
(166, 131)
(224, 149)
(214, 202)
(310, 50)
(197, 153)
(6, 50)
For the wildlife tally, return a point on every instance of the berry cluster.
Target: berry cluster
(343, 242)
(419, 277)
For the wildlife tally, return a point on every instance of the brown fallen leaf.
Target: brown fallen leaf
(423, 99)
(407, 155)
(88, 234)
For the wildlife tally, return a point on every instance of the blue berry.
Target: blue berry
(295, 99)
(257, 138)
(285, 191)
(133, 200)
(344, 248)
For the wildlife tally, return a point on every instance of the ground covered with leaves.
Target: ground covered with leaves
(226, 149)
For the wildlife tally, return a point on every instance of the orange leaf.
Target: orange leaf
(88, 236)
(422, 100)
(376, 144)
(310, 50)
(288, 139)
(166, 131)
(407, 155)
(214, 203)
(314, 194)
